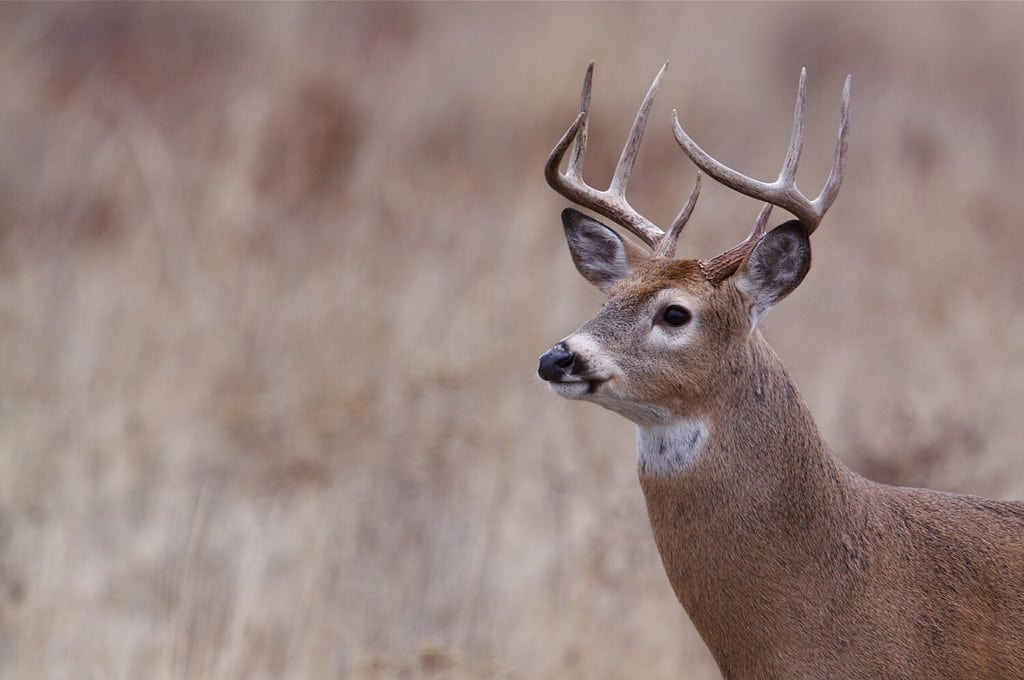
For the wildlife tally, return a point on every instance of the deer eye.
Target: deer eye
(676, 315)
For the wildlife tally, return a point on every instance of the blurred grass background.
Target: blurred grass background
(274, 278)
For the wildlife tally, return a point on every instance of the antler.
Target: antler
(612, 202)
(783, 192)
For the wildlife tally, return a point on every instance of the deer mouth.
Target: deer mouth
(578, 388)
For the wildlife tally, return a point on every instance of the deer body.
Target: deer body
(789, 564)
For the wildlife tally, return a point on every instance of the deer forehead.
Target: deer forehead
(655, 275)
(653, 279)
(656, 284)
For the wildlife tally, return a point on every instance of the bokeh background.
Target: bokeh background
(274, 279)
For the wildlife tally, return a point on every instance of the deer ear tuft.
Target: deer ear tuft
(775, 267)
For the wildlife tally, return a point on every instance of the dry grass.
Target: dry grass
(273, 281)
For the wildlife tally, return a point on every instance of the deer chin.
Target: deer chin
(578, 388)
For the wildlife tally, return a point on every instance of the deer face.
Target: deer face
(667, 335)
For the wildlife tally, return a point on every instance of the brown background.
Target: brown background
(273, 281)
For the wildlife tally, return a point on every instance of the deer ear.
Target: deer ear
(600, 254)
(775, 267)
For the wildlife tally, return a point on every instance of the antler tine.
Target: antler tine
(612, 202)
(835, 175)
(796, 139)
(783, 192)
(624, 168)
(579, 147)
(667, 245)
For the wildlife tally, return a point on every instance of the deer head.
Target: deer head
(672, 331)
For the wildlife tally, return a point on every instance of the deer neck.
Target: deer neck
(742, 500)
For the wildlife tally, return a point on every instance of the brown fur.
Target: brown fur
(789, 564)
(792, 566)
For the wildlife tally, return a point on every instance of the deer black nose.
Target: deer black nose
(556, 363)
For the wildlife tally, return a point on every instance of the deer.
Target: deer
(789, 564)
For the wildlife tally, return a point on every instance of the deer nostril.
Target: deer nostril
(556, 363)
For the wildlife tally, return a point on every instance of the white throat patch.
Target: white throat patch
(669, 449)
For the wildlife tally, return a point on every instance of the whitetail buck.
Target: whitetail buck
(789, 564)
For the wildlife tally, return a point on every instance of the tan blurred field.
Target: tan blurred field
(273, 281)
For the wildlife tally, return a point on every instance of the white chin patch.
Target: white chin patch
(570, 390)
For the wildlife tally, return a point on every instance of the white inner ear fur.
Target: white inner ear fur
(592, 247)
(614, 269)
(775, 267)
(758, 307)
